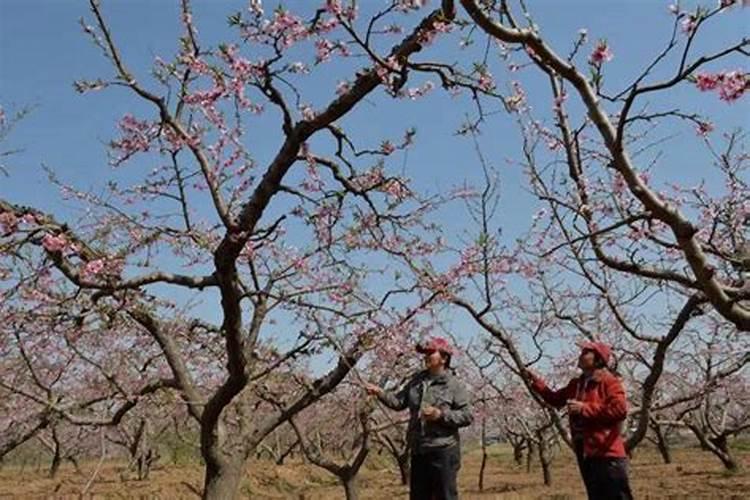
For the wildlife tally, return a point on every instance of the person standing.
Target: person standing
(438, 406)
(597, 408)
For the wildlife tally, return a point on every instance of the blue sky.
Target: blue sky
(43, 50)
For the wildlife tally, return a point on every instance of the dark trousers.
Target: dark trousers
(433, 474)
(604, 478)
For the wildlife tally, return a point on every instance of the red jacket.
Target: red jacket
(605, 408)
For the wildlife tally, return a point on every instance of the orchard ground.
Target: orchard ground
(694, 474)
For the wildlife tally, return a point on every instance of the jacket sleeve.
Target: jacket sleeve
(612, 409)
(459, 414)
(396, 400)
(551, 397)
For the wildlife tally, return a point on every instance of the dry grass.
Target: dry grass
(694, 475)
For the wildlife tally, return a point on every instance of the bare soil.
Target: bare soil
(695, 474)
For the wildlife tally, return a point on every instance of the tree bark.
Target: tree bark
(662, 444)
(351, 487)
(518, 447)
(529, 456)
(222, 479)
(484, 455)
(545, 459)
(718, 446)
(56, 454)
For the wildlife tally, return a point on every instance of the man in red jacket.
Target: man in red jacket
(597, 407)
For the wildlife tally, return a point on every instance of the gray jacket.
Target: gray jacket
(443, 391)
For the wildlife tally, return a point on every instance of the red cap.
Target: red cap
(435, 344)
(600, 348)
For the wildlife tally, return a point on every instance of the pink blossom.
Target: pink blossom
(527, 270)
(327, 25)
(428, 36)
(731, 85)
(517, 101)
(343, 87)
(54, 243)
(28, 219)
(601, 53)
(406, 5)
(92, 268)
(706, 81)
(288, 27)
(136, 137)
(299, 67)
(368, 179)
(196, 64)
(414, 93)
(559, 100)
(323, 50)
(502, 265)
(619, 184)
(690, 23)
(387, 147)
(486, 82)
(307, 112)
(397, 189)
(334, 7)
(704, 128)
(8, 222)
(384, 70)
(256, 7)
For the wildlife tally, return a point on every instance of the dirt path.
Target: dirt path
(694, 475)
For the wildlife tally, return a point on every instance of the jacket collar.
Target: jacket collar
(435, 379)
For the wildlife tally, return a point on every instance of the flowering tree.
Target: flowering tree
(639, 220)
(206, 220)
(64, 443)
(706, 390)
(507, 408)
(610, 234)
(298, 239)
(340, 427)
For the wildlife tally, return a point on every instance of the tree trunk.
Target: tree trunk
(662, 445)
(529, 455)
(56, 461)
(222, 481)
(351, 488)
(545, 459)
(55, 465)
(720, 448)
(484, 455)
(75, 463)
(518, 447)
(404, 467)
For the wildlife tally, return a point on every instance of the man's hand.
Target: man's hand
(575, 407)
(373, 390)
(430, 413)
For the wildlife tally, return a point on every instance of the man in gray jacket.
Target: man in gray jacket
(438, 407)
